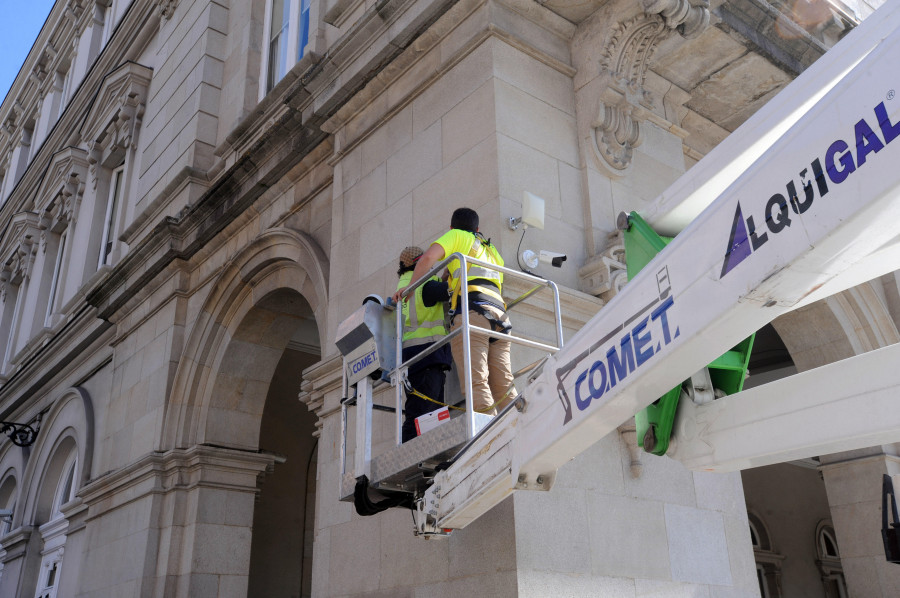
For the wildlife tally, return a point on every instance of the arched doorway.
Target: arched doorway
(281, 549)
(235, 422)
(235, 406)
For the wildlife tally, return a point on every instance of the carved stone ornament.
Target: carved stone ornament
(60, 194)
(23, 259)
(167, 9)
(9, 125)
(689, 20)
(624, 103)
(39, 72)
(20, 248)
(74, 9)
(112, 124)
(4, 283)
(606, 273)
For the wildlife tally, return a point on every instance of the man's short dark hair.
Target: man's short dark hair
(465, 219)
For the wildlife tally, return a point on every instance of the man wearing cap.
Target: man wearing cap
(492, 378)
(423, 326)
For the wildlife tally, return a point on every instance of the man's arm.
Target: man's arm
(433, 255)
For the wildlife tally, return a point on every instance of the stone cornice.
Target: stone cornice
(54, 527)
(357, 118)
(15, 542)
(24, 89)
(179, 238)
(272, 108)
(318, 380)
(182, 469)
(321, 85)
(577, 307)
(63, 186)
(51, 52)
(759, 22)
(307, 99)
(18, 249)
(184, 178)
(132, 32)
(75, 512)
(116, 110)
(68, 349)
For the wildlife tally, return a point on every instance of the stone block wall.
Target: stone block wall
(501, 118)
(602, 530)
(182, 128)
(853, 485)
(251, 217)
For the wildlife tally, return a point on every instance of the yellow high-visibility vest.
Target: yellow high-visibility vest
(473, 246)
(422, 325)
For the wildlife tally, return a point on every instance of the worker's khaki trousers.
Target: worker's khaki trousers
(492, 379)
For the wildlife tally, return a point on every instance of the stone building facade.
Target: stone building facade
(196, 192)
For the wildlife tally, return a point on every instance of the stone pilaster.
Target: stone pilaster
(185, 515)
(853, 485)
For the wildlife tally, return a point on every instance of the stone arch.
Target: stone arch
(846, 324)
(284, 506)
(759, 532)
(826, 540)
(282, 272)
(12, 464)
(768, 561)
(67, 426)
(51, 476)
(828, 559)
(849, 323)
(9, 488)
(8, 483)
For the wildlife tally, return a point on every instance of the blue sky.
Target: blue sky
(19, 27)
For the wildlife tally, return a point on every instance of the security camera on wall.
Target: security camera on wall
(552, 258)
(533, 216)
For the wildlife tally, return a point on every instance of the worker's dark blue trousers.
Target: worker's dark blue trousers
(430, 382)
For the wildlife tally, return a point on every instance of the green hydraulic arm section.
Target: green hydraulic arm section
(654, 424)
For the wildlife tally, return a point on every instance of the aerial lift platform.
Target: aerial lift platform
(798, 204)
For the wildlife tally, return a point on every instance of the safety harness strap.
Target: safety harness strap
(478, 272)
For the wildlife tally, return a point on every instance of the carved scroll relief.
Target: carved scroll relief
(624, 104)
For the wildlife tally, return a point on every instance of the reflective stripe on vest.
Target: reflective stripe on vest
(486, 253)
(422, 324)
(480, 251)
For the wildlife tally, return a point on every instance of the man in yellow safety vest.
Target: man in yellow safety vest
(492, 379)
(423, 326)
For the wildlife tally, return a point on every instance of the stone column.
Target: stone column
(853, 485)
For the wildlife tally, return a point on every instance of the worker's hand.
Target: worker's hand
(399, 292)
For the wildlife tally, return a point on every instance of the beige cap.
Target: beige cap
(409, 255)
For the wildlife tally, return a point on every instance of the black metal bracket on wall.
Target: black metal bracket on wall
(22, 434)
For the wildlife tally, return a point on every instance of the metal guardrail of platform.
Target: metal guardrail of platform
(407, 466)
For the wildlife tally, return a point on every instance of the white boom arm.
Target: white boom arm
(822, 198)
(845, 405)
